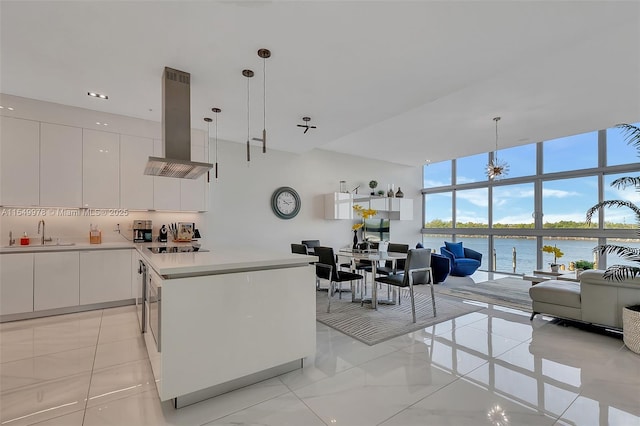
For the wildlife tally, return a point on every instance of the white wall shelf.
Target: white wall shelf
(339, 205)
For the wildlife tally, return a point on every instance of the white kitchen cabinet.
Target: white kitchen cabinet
(60, 165)
(105, 276)
(56, 280)
(136, 188)
(166, 190)
(100, 169)
(192, 191)
(16, 283)
(401, 208)
(380, 203)
(338, 205)
(19, 168)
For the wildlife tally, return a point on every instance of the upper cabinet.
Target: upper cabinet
(60, 165)
(54, 165)
(340, 206)
(136, 188)
(19, 162)
(100, 169)
(401, 208)
(193, 191)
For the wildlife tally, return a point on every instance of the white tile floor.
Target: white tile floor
(491, 367)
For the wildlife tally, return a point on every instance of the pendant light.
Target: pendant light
(497, 169)
(264, 54)
(208, 121)
(248, 74)
(217, 111)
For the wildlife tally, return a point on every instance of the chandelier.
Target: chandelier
(497, 169)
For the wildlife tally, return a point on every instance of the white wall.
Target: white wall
(240, 211)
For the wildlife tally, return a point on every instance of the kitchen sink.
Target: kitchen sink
(63, 244)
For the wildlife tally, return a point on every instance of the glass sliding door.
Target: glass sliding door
(515, 254)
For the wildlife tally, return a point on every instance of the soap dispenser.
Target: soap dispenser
(24, 240)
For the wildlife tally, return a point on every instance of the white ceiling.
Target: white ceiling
(400, 81)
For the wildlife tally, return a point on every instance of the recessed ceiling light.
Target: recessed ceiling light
(97, 95)
(101, 124)
(9, 108)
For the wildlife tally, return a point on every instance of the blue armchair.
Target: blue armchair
(464, 261)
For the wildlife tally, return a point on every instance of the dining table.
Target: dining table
(374, 256)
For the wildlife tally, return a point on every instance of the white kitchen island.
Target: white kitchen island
(225, 319)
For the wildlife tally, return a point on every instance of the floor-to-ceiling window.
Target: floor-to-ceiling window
(542, 201)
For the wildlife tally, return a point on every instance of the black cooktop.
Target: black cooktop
(175, 249)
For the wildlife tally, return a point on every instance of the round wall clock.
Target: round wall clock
(285, 202)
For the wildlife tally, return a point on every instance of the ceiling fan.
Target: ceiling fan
(306, 125)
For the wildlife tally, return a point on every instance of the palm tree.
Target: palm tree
(620, 272)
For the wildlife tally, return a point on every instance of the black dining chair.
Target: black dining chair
(417, 270)
(299, 248)
(326, 270)
(311, 245)
(389, 267)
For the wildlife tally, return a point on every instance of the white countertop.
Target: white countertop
(178, 265)
(219, 261)
(52, 246)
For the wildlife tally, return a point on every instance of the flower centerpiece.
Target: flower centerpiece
(364, 214)
(557, 254)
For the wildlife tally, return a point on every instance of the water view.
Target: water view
(525, 251)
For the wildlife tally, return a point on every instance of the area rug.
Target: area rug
(509, 292)
(374, 326)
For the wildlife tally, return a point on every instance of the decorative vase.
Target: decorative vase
(355, 239)
(399, 194)
(554, 268)
(390, 191)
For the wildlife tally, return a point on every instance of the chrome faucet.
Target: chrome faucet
(42, 239)
(12, 241)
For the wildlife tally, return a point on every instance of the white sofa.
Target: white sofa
(593, 300)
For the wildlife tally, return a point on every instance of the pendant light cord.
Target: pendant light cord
(216, 171)
(216, 138)
(495, 154)
(248, 131)
(208, 146)
(264, 105)
(264, 93)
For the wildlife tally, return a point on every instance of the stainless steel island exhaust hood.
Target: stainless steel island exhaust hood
(176, 130)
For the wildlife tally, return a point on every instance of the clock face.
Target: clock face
(285, 202)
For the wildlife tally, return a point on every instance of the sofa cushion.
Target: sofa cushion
(455, 248)
(556, 292)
